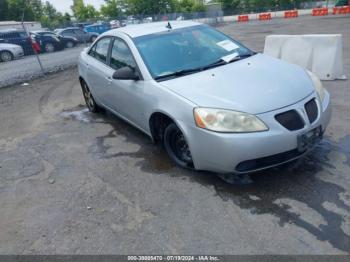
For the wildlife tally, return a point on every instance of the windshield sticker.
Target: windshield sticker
(227, 45)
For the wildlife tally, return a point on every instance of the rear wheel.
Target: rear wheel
(89, 99)
(49, 47)
(69, 44)
(93, 38)
(176, 146)
(6, 56)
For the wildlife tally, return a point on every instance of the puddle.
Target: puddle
(82, 115)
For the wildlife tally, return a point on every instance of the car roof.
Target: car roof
(152, 28)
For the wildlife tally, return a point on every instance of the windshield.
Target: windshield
(186, 49)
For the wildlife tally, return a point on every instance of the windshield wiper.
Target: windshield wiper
(178, 73)
(222, 61)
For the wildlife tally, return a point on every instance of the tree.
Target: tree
(187, 6)
(3, 10)
(111, 9)
(150, 7)
(83, 12)
(230, 6)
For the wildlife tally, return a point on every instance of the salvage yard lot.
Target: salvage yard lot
(76, 183)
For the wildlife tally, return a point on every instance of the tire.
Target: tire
(93, 38)
(69, 44)
(176, 146)
(89, 99)
(49, 48)
(6, 56)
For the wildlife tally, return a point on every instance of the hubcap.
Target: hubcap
(6, 56)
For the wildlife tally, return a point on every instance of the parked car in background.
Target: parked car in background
(17, 37)
(9, 52)
(48, 43)
(67, 41)
(97, 28)
(213, 103)
(115, 24)
(78, 33)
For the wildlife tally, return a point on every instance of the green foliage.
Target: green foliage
(229, 6)
(149, 7)
(111, 9)
(187, 6)
(83, 12)
(3, 10)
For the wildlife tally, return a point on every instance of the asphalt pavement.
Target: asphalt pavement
(73, 182)
(27, 68)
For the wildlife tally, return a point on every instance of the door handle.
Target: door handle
(109, 79)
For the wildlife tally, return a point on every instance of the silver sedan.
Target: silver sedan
(213, 103)
(9, 52)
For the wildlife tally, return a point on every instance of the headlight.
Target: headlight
(318, 85)
(226, 121)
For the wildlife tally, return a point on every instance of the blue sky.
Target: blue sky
(64, 5)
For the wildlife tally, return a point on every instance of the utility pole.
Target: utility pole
(29, 37)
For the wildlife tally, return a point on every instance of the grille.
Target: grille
(261, 163)
(311, 110)
(290, 120)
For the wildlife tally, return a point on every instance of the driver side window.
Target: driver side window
(121, 55)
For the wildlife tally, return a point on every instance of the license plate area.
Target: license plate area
(310, 139)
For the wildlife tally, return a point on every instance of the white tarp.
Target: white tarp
(321, 54)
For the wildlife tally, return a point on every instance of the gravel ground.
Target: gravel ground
(72, 182)
(28, 68)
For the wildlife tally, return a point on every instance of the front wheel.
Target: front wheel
(89, 99)
(6, 56)
(176, 146)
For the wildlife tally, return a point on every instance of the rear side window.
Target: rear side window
(100, 49)
(10, 35)
(67, 32)
(121, 55)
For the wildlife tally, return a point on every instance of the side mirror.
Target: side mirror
(126, 73)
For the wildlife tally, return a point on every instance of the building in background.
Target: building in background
(30, 26)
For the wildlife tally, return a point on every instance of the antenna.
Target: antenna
(169, 26)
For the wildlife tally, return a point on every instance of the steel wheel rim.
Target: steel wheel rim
(180, 147)
(6, 56)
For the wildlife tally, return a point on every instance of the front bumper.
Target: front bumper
(227, 153)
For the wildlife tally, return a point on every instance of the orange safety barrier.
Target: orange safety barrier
(341, 10)
(243, 18)
(265, 16)
(291, 14)
(320, 11)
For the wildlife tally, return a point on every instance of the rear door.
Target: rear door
(99, 74)
(81, 35)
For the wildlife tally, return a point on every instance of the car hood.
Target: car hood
(254, 85)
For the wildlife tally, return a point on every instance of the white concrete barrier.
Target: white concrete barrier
(321, 54)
